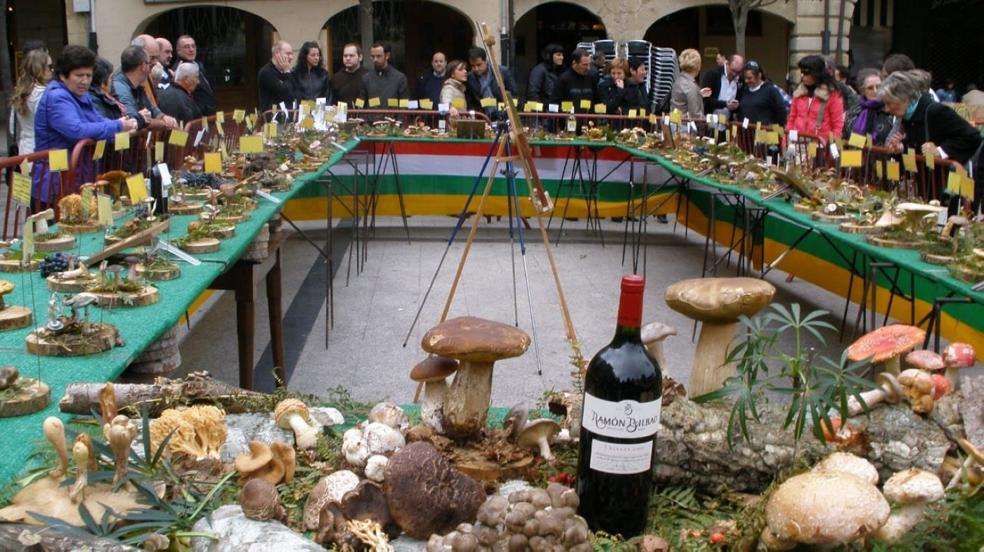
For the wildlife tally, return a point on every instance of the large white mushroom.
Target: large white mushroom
(848, 463)
(912, 491)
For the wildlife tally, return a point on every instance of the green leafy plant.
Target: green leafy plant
(816, 385)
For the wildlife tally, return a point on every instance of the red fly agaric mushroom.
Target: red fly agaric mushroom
(889, 390)
(957, 356)
(716, 303)
(917, 386)
(293, 414)
(885, 345)
(433, 373)
(476, 344)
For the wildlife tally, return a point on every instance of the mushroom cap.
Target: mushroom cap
(925, 360)
(719, 300)
(366, 501)
(6, 287)
(919, 207)
(536, 430)
(971, 450)
(286, 454)
(656, 331)
(259, 499)
(918, 387)
(958, 355)
(848, 463)
(286, 407)
(434, 368)
(913, 486)
(472, 339)
(259, 455)
(885, 343)
(825, 508)
(330, 488)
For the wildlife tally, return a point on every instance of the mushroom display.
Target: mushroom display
(957, 356)
(933, 363)
(653, 335)
(367, 501)
(824, 509)
(120, 433)
(885, 345)
(376, 438)
(911, 490)
(476, 344)
(391, 415)
(330, 488)
(274, 463)
(716, 303)
(376, 468)
(432, 373)
(533, 519)
(972, 468)
(918, 388)
(199, 432)
(260, 501)
(889, 390)
(54, 431)
(848, 463)
(80, 454)
(426, 494)
(294, 415)
(537, 434)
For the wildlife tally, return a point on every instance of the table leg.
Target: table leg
(276, 319)
(245, 322)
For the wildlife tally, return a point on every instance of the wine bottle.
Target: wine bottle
(620, 417)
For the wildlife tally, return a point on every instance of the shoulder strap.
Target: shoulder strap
(823, 106)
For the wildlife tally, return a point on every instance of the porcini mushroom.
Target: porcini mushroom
(537, 434)
(376, 468)
(653, 335)
(391, 415)
(957, 356)
(330, 488)
(889, 390)
(54, 431)
(120, 433)
(885, 345)
(912, 490)
(716, 303)
(917, 386)
(80, 454)
(476, 344)
(260, 501)
(293, 414)
(825, 509)
(432, 372)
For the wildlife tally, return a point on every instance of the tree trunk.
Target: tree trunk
(365, 26)
(21, 536)
(740, 20)
(6, 75)
(83, 398)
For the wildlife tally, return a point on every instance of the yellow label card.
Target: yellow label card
(219, 117)
(676, 117)
(930, 161)
(404, 103)
(239, 115)
(205, 124)
(811, 150)
(104, 204)
(567, 107)
(850, 159)
(213, 162)
(953, 182)
(879, 171)
(772, 138)
(426, 104)
(121, 141)
(136, 188)
(178, 138)
(250, 144)
(99, 151)
(857, 140)
(270, 129)
(585, 104)
(58, 160)
(909, 160)
(458, 103)
(892, 168)
(374, 102)
(633, 113)
(392, 102)
(488, 102)
(308, 122)
(600, 109)
(22, 188)
(359, 103)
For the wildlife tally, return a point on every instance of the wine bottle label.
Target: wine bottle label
(624, 419)
(621, 458)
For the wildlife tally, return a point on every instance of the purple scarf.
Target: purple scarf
(868, 107)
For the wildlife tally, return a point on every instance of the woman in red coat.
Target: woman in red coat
(817, 108)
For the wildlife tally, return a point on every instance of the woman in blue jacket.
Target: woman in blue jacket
(66, 116)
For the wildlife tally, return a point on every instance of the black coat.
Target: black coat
(204, 95)
(473, 88)
(620, 100)
(765, 105)
(542, 80)
(274, 87)
(311, 84)
(712, 80)
(945, 128)
(176, 102)
(572, 87)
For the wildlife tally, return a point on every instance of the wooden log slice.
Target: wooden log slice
(162, 367)
(157, 274)
(222, 232)
(14, 317)
(25, 396)
(228, 219)
(896, 244)
(146, 296)
(7, 265)
(854, 228)
(102, 338)
(195, 193)
(70, 285)
(62, 243)
(87, 227)
(110, 239)
(205, 245)
(184, 208)
(833, 219)
(937, 259)
(963, 273)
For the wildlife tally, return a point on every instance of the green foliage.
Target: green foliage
(816, 385)
(674, 511)
(610, 543)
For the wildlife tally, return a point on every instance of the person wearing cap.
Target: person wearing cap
(544, 76)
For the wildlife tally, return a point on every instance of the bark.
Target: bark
(692, 446)
(82, 398)
(365, 27)
(6, 74)
(739, 17)
(21, 536)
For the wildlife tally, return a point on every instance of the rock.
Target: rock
(243, 428)
(237, 533)
(900, 439)
(972, 409)
(946, 415)
(404, 543)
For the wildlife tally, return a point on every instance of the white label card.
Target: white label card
(553, 108)
(268, 197)
(744, 123)
(442, 124)
(624, 419)
(165, 176)
(198, 137)
(413, 104)
(793, 135)
(833, 151)
(621, 458)
(443, 107)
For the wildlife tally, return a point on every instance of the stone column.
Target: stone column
(807, 35)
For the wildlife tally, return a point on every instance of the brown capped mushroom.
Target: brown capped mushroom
(260, 501)
(433, 373)
(285, 454)
(848, 463)
(367, 501)
(716, 303)
(917, 386)
(537, 434)
(476, 343)
(330, 488)
(54, 431)
(293, 414)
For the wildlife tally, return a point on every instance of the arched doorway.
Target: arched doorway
(232, 45)
(709, 29)
(415, 29)
(553, 22)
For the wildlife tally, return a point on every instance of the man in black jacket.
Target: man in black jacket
(429, 84)
(481, 82)
(384, 82)
(187, 51)
(576, 83)
(177, 100)
(544, 76)
(274, 79)
(724, 82)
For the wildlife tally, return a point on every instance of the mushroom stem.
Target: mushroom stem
(710, 370)
(80, 453)
(892, 365)
(544, 444)
(952, 375)
(305, 435)
(467, 403)
(888, 391)
(120, 434)
(54, 431)
(655, 349)
(435, 393)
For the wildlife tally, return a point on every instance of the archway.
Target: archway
(232, 45)
(415, 29)
(553, 22)
(709, 29)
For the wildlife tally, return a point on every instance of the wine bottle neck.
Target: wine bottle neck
(630, 311)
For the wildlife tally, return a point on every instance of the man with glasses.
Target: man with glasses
(725, 82)
(153, 50)
(128, 88)
(204, 96)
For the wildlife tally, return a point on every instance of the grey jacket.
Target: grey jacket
(385, 84)
(685, 96)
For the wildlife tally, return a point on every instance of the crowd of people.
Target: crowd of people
(159, 86)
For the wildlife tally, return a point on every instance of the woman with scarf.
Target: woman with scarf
(868, 116)
(817, 109)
